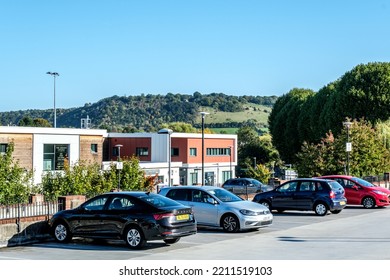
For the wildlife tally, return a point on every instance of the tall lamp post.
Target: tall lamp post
(119, 165)
(348, 145)
(54, 74)
(169, 132)
(230, 154)
(203, 116)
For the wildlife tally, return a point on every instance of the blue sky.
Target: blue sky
(118, 47)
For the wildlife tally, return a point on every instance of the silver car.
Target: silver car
(217, 207)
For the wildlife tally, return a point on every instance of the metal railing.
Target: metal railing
(17, 211)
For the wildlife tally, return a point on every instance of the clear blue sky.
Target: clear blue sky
(128, 47)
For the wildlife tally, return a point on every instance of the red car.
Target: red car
(361, 192)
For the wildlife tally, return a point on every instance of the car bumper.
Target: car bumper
(382, 201)
(250, 222)
(163, 232)
(338, 204)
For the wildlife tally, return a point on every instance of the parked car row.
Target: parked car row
(245, 186)
(217, 207)
(175, 212)
(306, 194)
(361, 192)
(135, 217)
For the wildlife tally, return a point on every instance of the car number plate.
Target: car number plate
(342, 202)
(183, 217)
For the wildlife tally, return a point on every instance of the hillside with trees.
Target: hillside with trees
(149, 112)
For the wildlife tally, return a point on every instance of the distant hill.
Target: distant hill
(148, 112)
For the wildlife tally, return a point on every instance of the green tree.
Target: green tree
(261, 173)
(369, 155)
(15, 181)
(283, 123)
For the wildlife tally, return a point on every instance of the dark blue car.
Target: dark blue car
(305, 194)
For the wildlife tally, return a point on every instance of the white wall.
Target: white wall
(40, 139)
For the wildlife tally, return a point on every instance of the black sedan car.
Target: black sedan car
(135, 217)
(305, 194)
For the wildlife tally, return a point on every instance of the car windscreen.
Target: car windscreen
(363, 182)
(224, 195)
(158, 200)
(255, 182)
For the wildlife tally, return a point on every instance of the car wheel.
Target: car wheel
(321, 209)
(368, 202)
(134, 238)
(172, 240)
(230, 223)
(265, 203)
(61, 232)
(335, 211)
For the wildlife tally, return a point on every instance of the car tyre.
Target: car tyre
(335, 211)
(172, 240)
(230, 223)
(320, 209)
(266, 204)
(368, 202)
(61, 232)
(134, 237)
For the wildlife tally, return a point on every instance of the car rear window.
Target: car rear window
(335, 185)
(158, 200)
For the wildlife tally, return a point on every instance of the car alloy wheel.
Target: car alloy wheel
(321, 209)
(230, 223)
(134, 238)
(265, 203)
(368, 202)
(61, 232)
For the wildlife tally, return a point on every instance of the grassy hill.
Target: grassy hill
(149, 112)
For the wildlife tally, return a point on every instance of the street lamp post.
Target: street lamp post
(230, 154)
(119, 165)
(169, 132)
(203, 116)
(348, 145)
(54, 74)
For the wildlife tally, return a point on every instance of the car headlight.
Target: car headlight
(248, 212)
(380, 193)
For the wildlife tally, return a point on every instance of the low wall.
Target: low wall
(32, 229)
(25, 232)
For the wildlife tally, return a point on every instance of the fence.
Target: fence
(381, 180)
(19, 211)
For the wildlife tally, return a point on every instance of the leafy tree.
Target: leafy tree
(283, 123)
(368, 156)
(180, 127)
(250, 146)
(261, 173)
(15, 181)
(87, 179)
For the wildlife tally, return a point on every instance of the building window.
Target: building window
(94, 148)
(3, 148)
(139, 152)
(175, 152)
(194, 178)
(54, 156)
(218, 151)
(226, 175)
(192, 151)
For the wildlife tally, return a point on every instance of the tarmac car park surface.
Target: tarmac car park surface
(356, 233)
